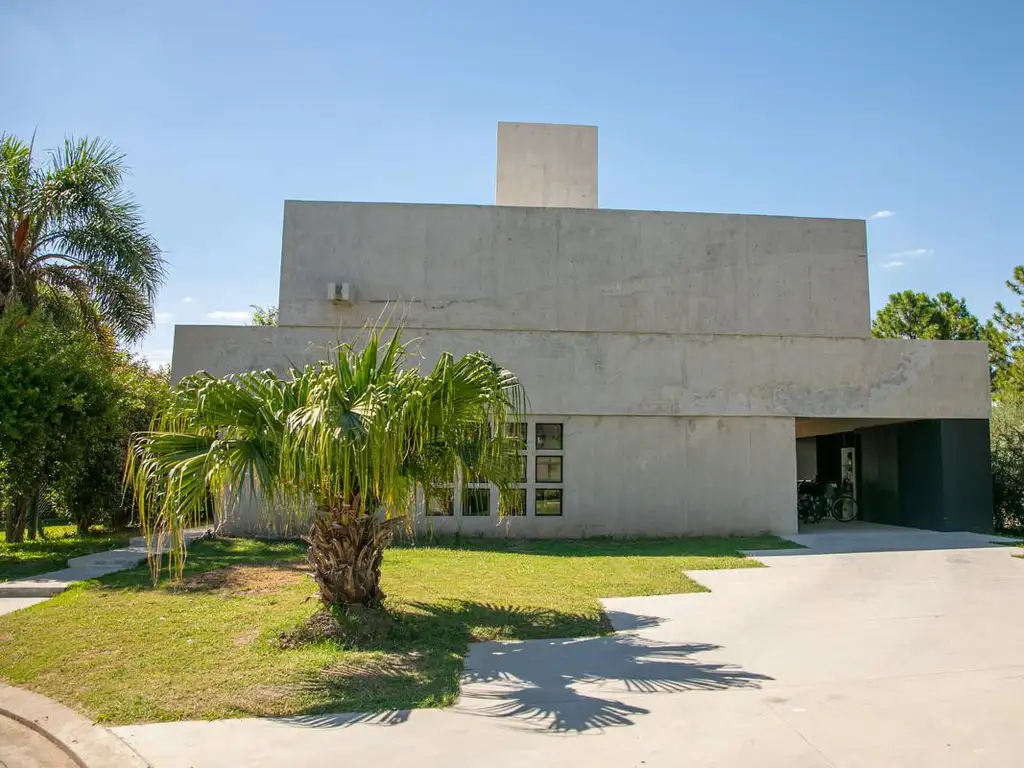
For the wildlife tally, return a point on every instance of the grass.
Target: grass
(51, 553)
(122, 651)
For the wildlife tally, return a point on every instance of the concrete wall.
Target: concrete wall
(547, 165)
(459, 266)
(659, 374)
(648, 476)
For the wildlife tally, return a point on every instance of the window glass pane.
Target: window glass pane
(522, 473)
(439, 506)
(517, 502)
(549, 469)
(476, 502)
(549, 501)
(549, 437)
(517, 429)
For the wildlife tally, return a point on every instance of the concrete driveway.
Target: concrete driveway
(874, 647)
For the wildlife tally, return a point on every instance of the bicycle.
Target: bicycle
(810, 502)
(844, 505)
(816, 501)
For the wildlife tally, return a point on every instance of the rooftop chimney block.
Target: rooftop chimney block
(547, 166)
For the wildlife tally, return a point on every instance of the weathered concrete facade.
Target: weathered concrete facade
(681, 353)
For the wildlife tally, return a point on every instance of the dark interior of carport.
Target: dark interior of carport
(930, 473)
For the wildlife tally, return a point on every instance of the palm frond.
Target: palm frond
(356, 431)
(75, 212)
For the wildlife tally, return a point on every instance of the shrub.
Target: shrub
(56, 395)
(93, 490)
(69, 404)
(1007, 429)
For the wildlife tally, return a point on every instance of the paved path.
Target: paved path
(21, 593)
(907, 651)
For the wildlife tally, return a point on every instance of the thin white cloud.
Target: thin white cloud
(911, 253)
(187, 300)
(157, 357)
(235, 316)
(882, 214)
(162, 318)
(900, 258)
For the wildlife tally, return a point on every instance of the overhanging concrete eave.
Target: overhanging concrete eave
(644, 374)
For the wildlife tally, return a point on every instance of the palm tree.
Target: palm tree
(341, 444)
(72, 239)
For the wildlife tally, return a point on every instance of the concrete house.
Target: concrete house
(683, 369)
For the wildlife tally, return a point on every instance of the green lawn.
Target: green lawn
(122, 651)
(18, 561)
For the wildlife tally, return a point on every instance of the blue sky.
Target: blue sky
(811, 108)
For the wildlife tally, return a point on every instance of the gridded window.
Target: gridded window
(549, 437)
(549, 469)
(548, 502)
(538, 488)
(476, 502)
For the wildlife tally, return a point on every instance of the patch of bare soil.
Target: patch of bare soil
(356, 628)
(247, 579)
(246, 637)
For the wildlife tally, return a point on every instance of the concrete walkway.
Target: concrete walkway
(22, 593)
(873, 647)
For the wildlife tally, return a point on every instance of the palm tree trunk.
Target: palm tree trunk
(346, 549)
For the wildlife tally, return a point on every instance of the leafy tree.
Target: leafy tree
(72, 239)
(342, 443)
(1007, 436)
(264, 315)
(1005, 334)
(92, 489)
(56, 393)
(910, 315)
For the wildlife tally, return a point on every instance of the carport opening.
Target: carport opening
(828, 463)
(928, 473)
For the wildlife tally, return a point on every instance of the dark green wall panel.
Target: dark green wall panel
(930, 474)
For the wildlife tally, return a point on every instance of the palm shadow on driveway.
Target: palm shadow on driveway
(551, 685)
(564, 686)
